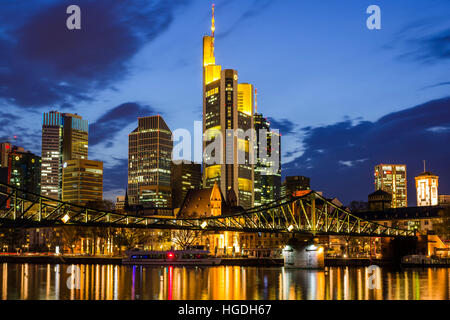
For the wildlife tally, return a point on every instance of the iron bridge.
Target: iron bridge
(309, 214)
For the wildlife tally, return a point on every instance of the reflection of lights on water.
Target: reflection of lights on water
(116, 283)
(133, 283)
(170, 297)
(57, 275)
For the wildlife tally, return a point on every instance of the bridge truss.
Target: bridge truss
(309, 214)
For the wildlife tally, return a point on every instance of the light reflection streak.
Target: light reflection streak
(229, 283)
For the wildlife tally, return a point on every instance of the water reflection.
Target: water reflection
(112, 282)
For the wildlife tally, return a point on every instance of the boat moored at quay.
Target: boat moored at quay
(172, 257)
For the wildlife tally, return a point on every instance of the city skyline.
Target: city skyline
(333, 147)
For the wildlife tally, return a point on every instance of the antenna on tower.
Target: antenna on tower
(256, 100)
(213, 21)
(424, 165)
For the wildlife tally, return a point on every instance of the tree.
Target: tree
(12, 237)
(185, 238)
(71, 235)
(128, 238)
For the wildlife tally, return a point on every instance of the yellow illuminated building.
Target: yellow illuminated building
(227, 105)
(82, 181)
(427, 185)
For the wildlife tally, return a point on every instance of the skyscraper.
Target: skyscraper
(267, 184)
(227, 107)
(5, 149)
(427, 185)
(149, 161)
(82, 181)
(392, 178)
(64, 137)
(184, 177)
(24, 170)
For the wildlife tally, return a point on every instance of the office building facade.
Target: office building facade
(392, 178)
(24, 170)
(149, 162)
(267, 183)
(64, 138)
(82, 181)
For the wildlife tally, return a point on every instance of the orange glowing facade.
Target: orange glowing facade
(427, 185)
(227, 105)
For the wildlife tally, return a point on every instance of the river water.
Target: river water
(114, 282)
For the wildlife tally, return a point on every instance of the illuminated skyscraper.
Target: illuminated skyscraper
(267, 184)
(149, 161)
(392, 178)
(427, 185)
(227, 105)
(82, 181)
(64, 137)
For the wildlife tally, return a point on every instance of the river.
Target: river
(115, 282)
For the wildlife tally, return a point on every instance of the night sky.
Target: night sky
(344, 97)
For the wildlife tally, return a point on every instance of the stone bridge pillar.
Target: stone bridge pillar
(303, 255)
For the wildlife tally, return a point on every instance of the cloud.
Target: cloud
(425, 47)
(116, 176)
(105, 129)
(349, 151)
(42, 63)
(285, 126)
(256, 8)
(440, 84)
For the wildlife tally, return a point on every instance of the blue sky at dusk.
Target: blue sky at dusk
(344, 97)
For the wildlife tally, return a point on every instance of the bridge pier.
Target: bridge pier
(303, 255)
(393, 249)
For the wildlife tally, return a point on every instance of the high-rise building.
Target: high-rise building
(227, 106)
(64, 137)
(267, 185)
(184, 177)
(5, 149)
(24, 170)
(295, 183)
(392, 178)
(149, 162)
(427, 185)
(82, 181)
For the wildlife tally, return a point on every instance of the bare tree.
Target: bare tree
(185, 238)
(71, 235)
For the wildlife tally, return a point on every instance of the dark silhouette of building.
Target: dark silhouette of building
(184, 177)
(295, 183)
(380, 200)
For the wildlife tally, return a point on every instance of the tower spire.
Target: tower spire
(213, 21)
